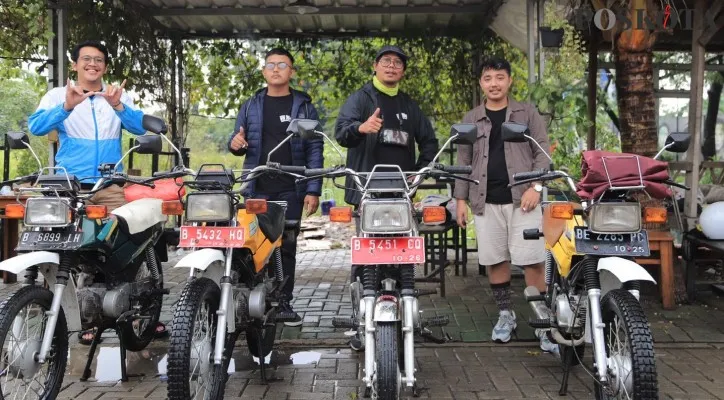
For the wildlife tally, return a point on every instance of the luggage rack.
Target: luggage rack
(611, 186)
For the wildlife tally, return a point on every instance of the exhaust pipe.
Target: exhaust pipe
(537, 303)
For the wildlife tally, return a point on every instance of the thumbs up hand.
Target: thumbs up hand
(373, 123)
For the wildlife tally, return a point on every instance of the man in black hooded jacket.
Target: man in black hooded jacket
(379, 124)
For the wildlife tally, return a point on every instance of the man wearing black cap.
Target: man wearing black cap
(380, 124)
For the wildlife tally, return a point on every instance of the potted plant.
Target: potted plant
(551, 37)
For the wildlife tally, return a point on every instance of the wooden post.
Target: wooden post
(695, 109)
(592, 90)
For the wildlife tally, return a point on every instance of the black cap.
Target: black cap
(392, 49)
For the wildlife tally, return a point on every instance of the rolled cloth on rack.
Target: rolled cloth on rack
(602, 169)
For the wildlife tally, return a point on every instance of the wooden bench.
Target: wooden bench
(663, 243)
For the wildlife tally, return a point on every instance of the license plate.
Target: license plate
(401, 250)
(30, 240)
(610, 244)
(211, 236)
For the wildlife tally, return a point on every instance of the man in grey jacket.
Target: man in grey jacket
(502, 213)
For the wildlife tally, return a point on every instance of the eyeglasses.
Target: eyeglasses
(270, 65)
(88, 59)
(386, 62)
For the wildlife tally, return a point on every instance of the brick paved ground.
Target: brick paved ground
(690, 348)
(476, 371)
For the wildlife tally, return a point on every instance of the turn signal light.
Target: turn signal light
(15, 211)
(340, 214)
(96, 212)
(172, 208)
(255, 206)
(657, 215)
(433, 215)
(562, 211)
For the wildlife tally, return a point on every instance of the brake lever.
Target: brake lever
(439, 173)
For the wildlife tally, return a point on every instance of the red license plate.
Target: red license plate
(209, 236)
(401, 250)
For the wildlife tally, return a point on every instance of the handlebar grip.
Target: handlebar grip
(457, 169)
(294, 169)
(318, 171)
(522, 176)
(672, 183)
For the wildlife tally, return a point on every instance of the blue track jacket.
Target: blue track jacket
(89, 135)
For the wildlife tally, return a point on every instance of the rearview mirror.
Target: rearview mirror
(464, 133)
(149, 144)
(154, 124)
(514, 132)
(305, 128)
(679, 142)
(17, 140)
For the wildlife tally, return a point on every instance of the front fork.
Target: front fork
(66, 261)
(223, 312)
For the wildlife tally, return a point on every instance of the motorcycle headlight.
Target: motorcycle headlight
(208, 207)
(48, 212)
(386, 217)
(615, 218)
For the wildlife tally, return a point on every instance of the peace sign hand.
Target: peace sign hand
(113, 94)
(74, 95)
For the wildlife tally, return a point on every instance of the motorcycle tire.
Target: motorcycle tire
(188, 320)
(268, 336)
(57, 359)
(134, 335)
(621, 305)
(387, 349)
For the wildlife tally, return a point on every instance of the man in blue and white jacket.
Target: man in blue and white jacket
(88, 115)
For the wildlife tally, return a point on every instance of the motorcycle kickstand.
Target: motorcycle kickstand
(124, 375)
(91, 353)
(568, 360)
(262, 362)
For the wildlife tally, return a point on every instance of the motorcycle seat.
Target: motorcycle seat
(139, 215)
(271, 222)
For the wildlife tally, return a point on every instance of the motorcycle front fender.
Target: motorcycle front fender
(209, 261)
(615, 271)
(386, 311)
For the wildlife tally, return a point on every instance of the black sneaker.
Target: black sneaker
(287, 315)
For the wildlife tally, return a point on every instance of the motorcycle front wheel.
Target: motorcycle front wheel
(192, 373)
(22, 323)
(629, 349)
(387, 374)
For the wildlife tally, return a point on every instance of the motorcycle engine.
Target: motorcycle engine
(565, 316)
(91, 304)
(96, 301)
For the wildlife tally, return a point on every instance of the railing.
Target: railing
(711, 169)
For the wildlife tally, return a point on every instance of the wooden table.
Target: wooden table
(11, 228)
(663, 243)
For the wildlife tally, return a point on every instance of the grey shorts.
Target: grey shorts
(499, 233)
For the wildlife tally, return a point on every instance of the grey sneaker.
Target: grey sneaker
(503, 330)
(546, 344)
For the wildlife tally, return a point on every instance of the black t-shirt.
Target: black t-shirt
(497, 188)
(392, 118)
(277, 116)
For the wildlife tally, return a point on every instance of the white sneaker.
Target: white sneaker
(545, 343)
(503, 330)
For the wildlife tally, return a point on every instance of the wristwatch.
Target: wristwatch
(537, 187)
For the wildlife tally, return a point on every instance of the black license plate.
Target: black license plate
(31, 240)
(610, 244)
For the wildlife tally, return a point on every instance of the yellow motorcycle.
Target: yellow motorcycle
(592, 281)
(235, 280)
